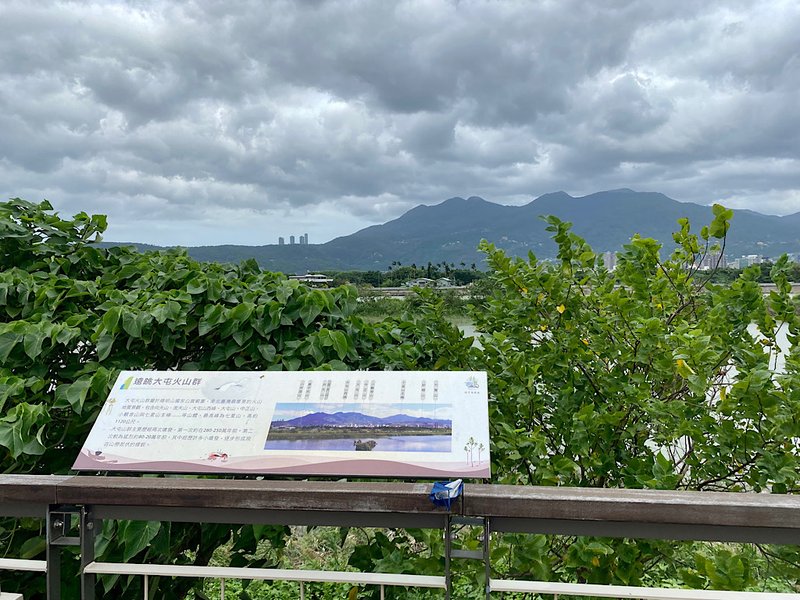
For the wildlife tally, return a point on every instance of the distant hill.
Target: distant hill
(450, 231)
(357, 419)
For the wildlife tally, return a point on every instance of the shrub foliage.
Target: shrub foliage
(647, 377)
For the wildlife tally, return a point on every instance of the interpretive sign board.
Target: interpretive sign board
(363, 423)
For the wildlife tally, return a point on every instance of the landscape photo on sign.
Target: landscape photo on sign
(379, 427)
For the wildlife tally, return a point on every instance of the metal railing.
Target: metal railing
(301, 576)
(711, 516)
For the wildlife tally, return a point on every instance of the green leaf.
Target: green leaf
(7, 342)
(104, 344)
(136, 535)
(215, 290)
(242, 335)
(595, 547)
(111, 319)
(211, 318)
(683, 368)
(160, 313)
(721, 223)
(132, 323)
(291, 364)
(33, 340)
(310, 308)
(340, 343)
(9, 387)
(33, 547)
(267, 351)
(222, 352)
(74, 393)
(241, 312)
(196, 286)
(22, 428)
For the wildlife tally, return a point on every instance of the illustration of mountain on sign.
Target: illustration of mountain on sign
(369, 427)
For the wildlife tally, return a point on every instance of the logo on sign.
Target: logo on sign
(126, 384)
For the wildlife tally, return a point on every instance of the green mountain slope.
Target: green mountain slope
(450, 231)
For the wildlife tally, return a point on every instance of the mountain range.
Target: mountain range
(357, 419)
(450, 231)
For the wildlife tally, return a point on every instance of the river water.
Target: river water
(778, 361)
(400, 443)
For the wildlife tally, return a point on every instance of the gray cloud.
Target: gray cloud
(212, 122)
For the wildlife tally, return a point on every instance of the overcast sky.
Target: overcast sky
(235, 122)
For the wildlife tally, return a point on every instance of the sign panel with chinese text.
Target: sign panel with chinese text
(364, 423)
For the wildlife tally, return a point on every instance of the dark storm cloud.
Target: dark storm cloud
(242, 121)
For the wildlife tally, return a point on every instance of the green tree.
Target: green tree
(72, 315)
(647, 377)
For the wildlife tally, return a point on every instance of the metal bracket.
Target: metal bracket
(450, 553)
(60, 525)
(59, 528)
(69, 525)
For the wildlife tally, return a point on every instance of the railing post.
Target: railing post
(487, 556)
(451, 553)
(59, 525)
(448, 543)
(53, 557)
(88, 528)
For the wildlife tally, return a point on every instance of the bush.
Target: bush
(645, 377)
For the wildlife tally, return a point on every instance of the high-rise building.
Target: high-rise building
(711, 261)
(610, 260)
(750, 259)
(302, 239)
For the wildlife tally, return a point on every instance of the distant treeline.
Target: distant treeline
(481, 286)
(728, 275)
(397, 274)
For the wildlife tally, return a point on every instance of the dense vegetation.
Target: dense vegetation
(645, 377)
(729, 274)
(398, 274)
(72, 315)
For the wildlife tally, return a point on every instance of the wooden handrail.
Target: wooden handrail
(581, 511)
(28, 495)
(324, 496)
(646, 506)
(663, 514)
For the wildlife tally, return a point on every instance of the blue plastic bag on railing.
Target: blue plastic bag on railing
(443, 492)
